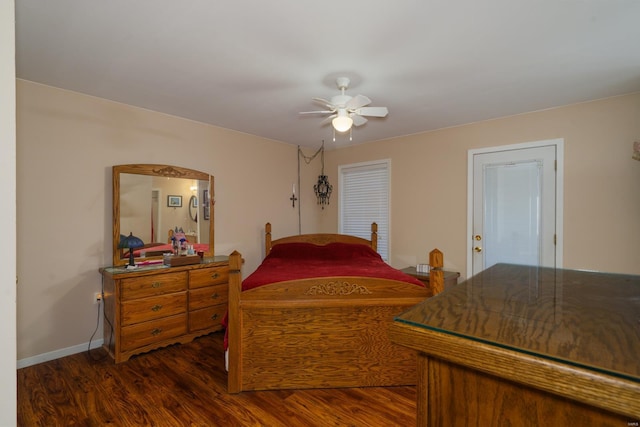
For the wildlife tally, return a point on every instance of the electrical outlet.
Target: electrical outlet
(97, 297)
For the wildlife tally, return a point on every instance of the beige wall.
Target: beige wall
(601, 183)
(67, 144)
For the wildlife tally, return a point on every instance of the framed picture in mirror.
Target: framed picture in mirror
(174, 201)
(205, 204)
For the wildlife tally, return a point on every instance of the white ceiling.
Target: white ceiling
(253, 65)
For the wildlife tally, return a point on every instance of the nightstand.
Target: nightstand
(450, 277)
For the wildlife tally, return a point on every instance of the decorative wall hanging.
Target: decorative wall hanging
(322, 188)
(293, 197)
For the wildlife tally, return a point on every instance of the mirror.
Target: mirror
(152, 201)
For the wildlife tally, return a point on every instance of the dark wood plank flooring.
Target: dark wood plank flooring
(185, 385)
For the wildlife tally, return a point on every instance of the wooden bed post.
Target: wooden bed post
(374, 236)
(234, 327)
(436, 274)
(267, 238)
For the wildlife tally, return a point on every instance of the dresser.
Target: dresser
(154, 306)
(519, 345)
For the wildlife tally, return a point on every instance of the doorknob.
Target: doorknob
(478, 237)
(477, 249)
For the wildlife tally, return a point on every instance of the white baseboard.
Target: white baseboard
(57, 354)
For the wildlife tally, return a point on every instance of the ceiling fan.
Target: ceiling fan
(345, 111)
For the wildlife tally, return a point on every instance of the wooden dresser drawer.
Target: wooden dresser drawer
(141, 334)
(144, 309)
(157, 284)
(209, 296)
(208, 276)
(207, 318)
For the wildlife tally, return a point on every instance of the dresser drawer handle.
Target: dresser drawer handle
(214, 317)
(156, 285)
(156, 331)
(156, 307)
(215, 296)
(215, 275)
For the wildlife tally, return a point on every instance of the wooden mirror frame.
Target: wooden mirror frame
(167, 171)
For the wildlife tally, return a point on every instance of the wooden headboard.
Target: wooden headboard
(320, 238)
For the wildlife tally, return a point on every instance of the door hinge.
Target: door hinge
(555, 240)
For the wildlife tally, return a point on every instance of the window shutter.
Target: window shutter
(364, 198)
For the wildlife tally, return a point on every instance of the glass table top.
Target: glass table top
(583, 318)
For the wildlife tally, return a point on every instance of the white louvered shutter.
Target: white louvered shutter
(364, 198)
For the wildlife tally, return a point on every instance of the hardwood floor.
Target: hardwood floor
(185, 385)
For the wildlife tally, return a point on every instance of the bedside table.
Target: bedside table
(450, 277)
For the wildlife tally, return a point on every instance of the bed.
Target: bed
(328, 331)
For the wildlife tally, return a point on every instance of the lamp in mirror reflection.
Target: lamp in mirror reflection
(131, 242)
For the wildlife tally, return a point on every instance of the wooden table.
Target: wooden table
(518, 345)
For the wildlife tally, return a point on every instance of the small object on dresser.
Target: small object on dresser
(174, 261)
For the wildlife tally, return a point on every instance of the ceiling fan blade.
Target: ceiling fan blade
(324, 103)
(356, 102)
(357, 119)
(372, 111)
(316, 112)
(328, 119)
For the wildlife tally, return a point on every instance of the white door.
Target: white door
(515, 210)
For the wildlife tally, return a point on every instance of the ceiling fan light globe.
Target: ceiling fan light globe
(342, 123)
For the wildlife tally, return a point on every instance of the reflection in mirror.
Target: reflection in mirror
(193, 209)
(154, 201)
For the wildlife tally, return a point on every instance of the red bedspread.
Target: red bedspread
(292, 261)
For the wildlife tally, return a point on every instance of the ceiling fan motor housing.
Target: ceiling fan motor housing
(343, 83)
(340, 100)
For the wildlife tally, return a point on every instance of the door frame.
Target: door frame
(559, 145)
